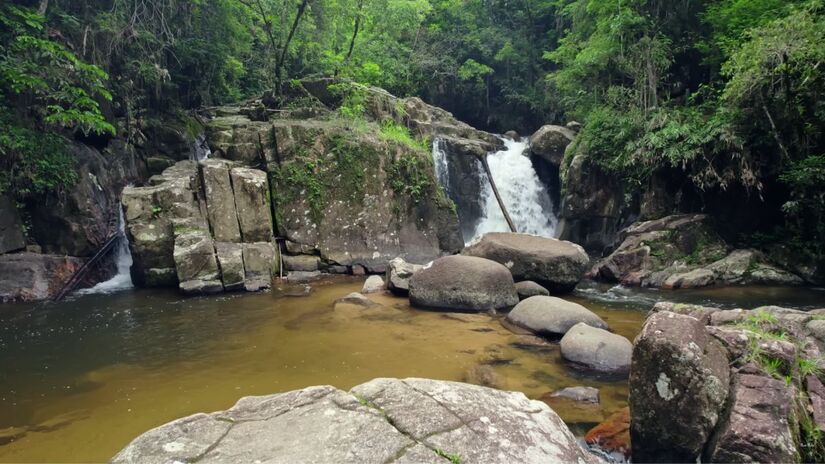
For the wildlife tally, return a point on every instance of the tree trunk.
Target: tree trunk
(44, 5)
(483, 160)
(280, 66)
(354, 35)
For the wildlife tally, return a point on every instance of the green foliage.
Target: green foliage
(33, 164)
(454, 458)
(411, 175)
(394, 132)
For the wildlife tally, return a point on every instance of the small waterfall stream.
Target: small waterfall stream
(123, 279)
(526, 198)
(200, 149)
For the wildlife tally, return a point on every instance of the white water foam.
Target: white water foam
(525, 197)
(123, 279)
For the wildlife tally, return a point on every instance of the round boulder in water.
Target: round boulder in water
(558, 265)
(548, 315)
(528, 288)
(464, 283)
(597, 349)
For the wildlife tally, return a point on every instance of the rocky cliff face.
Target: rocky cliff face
(341, 194)
(202, 226)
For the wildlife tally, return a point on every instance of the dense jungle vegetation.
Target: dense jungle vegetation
(729, 93)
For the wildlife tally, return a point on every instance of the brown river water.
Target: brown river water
(80, 379)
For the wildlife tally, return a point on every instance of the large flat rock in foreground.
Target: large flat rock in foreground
(558, 265)
(381, 421)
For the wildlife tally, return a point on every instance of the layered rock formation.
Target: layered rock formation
(745, 386)
(205, 227)
(385, 420)
(684, 251)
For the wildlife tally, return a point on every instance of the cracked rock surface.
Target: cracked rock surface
(381, 421)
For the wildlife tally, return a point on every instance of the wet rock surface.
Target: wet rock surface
(385, 420)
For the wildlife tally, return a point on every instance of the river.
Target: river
(81, 378)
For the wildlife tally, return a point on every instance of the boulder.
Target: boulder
(384, 420)
(679, 380)
(751, 267)
(528, 288)
(398, 276)
(33, 276)
(230, 260)
(556, 264)
(305, 263)
(512, 135)
(670, 251)
(11, 227)
(260, 265)
(694, 279)
(550, 142)
(196, 264)
(596, 349)
(220, 200)
(551, 316)
(374, 284)
(463, 283)
(251, 194)
(762, 422)
(592, 204)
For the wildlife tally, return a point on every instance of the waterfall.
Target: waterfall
(200, 149)
(525, 197)
(442, 173)
(123, 279)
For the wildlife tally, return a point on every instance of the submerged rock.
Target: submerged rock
(582, 394)
(464, 283)
(356, 299)
(596, 349)
(528, 288)
(411, 420)
(374, 284)
(556, 264)
(551, 316)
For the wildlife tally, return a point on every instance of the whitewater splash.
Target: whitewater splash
(123, 279)
(200, 149)
(525, 197)
(442, 171)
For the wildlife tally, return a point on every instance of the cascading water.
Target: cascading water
(123, 279)
(200, 149)
(442, 172)
(525, 197)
